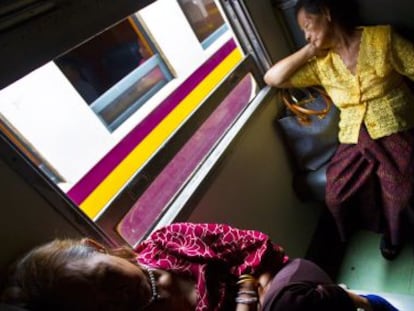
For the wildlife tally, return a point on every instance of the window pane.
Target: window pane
(131, 93)
(115, 72)
(204, 17)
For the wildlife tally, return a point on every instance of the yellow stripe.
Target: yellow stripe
(111, 185)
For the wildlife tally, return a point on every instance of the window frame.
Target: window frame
(55, 195)
(116, 92)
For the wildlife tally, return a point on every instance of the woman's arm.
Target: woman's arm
(402, 55)
(359, 301)
(247, 297)
(279, 74)
(371, 302)
(252, 290)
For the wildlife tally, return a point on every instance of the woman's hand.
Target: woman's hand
(312, 51)
(264, 281)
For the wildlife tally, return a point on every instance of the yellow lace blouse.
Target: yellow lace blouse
(377, 94)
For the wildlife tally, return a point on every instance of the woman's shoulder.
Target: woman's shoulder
(377, 29)
(377, 35)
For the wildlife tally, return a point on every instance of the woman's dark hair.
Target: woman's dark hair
(344, 13)
(48, 278)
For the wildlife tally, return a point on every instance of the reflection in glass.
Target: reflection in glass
(204, 17)
(131, 93)
(115, 72)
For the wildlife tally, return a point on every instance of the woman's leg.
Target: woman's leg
(396, 177)
(375, 179)
(350, 190)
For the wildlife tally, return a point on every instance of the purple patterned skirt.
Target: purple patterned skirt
(370, 184)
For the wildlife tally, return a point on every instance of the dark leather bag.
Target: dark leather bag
(310, 127)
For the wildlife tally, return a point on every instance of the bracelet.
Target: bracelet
(246, 301)
(245, 278)
(247, 292)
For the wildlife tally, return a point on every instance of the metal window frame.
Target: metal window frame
(49, 191)
(243, 26)
(103, 229)
(131, 80)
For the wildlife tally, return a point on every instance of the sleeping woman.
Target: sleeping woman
(184, 266)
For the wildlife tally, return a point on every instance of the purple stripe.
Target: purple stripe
(79, 192)
(166, 185)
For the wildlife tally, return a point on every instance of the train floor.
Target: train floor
(363, 267)
(358, 263)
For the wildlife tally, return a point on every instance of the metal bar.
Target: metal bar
(245, 29)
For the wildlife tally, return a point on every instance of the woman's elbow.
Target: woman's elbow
(267, 79)
(272, 80)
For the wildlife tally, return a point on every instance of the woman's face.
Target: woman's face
(119, 280)
(317, 28)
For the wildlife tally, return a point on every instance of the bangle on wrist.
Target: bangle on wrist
(246, 300)
(247, 278)
(247, 292)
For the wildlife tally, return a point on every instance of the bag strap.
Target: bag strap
(297, 106)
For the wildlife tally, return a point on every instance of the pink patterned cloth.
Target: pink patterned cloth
(212, 254)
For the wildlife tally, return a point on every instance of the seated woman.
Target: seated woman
(364, 69)
(183, 266)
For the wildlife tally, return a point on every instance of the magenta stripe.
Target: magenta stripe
(79, 192)
(166, 185)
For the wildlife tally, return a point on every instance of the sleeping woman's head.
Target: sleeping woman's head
(321, 20)
(78, 275)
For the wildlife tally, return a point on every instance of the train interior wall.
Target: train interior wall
(251, 187)
(27, 218)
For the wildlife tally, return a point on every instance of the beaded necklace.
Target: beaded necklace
(155, 295)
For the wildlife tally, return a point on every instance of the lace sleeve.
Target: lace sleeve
(307, 75)
(402, 55)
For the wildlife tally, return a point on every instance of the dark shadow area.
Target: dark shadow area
(326, 248)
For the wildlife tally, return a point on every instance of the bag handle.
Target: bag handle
(296, 106)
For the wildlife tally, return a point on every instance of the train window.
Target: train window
(116, 71)
(205, 19)
(116, 120)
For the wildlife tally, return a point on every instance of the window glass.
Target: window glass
(205, 19)
(115, 72)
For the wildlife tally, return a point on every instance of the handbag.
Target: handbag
(309, 127)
